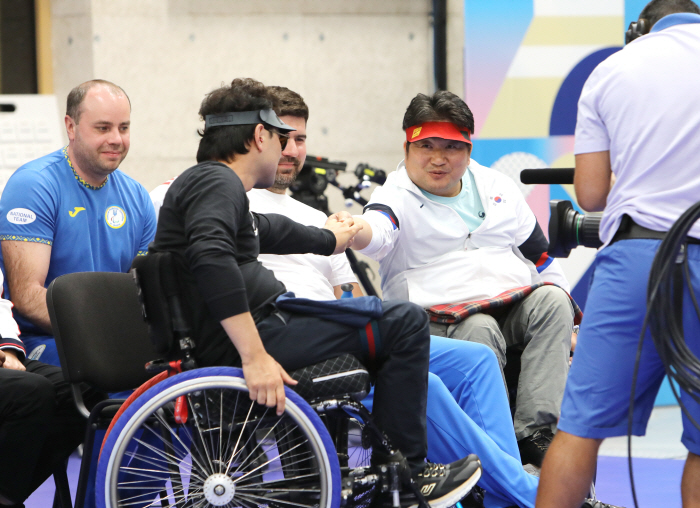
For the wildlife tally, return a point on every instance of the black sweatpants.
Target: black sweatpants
(39, 426)
(400, 369)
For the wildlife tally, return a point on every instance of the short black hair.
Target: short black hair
(77, 96)
(289, 102)
(657, 9)
(224, 142)
(440, 107)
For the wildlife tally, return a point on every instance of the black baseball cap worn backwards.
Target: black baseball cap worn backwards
(266, 117)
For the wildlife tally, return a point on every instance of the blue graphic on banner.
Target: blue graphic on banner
(563, 120)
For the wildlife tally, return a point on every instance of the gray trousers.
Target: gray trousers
(541, 326)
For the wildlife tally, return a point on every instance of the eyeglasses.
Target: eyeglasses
(281, 136)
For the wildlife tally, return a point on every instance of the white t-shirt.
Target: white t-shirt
(643, 105)
(307, 275)
(158, 195)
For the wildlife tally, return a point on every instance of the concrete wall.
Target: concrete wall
(356, 62)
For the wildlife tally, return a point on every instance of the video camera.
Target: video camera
(568, 228)
(309, 187)
(312, 180)
(318, 172)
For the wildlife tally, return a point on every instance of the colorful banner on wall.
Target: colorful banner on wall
(525, 64)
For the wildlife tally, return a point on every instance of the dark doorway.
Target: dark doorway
(18, 70)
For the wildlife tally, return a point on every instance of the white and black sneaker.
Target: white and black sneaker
(444, 485)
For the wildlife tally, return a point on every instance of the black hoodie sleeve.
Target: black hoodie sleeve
(213, 209)
(281, 235)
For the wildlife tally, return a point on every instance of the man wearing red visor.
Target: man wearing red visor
(459, 239)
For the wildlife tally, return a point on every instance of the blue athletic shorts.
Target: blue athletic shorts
(596, 399)
(41, 348)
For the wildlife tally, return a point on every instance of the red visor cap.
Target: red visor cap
(443, 130)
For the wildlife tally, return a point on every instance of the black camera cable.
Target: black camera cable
(664, 315)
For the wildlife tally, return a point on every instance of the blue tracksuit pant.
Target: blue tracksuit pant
(467, 413)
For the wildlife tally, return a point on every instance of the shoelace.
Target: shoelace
(433, 470)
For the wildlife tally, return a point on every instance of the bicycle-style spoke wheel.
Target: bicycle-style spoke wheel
(359, 449)
(229, 451)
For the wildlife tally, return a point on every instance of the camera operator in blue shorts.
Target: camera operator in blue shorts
(638, 119)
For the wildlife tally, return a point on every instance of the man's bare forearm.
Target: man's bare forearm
(32, 305)
(263, 375)
(592, 180)
(243, 333)
(26, 267)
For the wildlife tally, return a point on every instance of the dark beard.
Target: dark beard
(283, 182)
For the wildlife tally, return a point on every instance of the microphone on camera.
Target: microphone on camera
(546, 176)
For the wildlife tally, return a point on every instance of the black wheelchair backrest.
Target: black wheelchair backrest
(156, 277)
(100, 336)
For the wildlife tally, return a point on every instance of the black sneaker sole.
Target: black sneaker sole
(455, 495)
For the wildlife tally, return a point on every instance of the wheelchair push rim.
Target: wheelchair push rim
(231, 467)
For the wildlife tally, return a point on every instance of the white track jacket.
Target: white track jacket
(428, 255)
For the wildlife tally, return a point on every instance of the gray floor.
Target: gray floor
(662, 441)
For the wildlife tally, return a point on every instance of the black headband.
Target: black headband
(264, 116)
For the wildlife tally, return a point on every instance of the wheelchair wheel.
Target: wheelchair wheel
(226, 450)
(359, 448)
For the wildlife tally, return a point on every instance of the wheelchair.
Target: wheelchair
(196, 440)
(210, 445)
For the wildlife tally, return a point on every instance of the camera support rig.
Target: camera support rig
(309, 188)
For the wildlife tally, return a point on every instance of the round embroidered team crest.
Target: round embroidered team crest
(115, 217)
